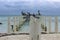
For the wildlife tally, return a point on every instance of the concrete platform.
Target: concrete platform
(26, 37)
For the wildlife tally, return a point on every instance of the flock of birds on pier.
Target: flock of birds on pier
(27, 17)
(28, 14)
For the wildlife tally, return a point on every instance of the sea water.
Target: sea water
(4, 25)
(25, 28)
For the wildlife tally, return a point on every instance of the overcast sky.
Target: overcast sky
(14, 7)
(50, 7)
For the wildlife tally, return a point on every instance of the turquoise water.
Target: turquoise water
(53, 23)
(25, 27)
(4, 26)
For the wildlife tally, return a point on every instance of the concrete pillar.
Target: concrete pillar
(39, 28)
(50, 20)
(8, 24)
(43, 19)
(43, 22)
(56, 24)
(15, 24)
(34, 29)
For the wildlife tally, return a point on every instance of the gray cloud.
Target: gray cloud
(48, 8)
(15, 7)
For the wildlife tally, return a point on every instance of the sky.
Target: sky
(50, 7)
(14, 7)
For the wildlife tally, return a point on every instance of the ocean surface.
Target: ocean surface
(4, 25)
(25, 28)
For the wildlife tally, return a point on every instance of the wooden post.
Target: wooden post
(49, 23)
(8, 24)
(56, 24)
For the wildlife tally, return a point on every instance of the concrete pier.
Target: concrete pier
(34, 29)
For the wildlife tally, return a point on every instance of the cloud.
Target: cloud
(16, 0)
(53, 0)
(16, 6)
(12, 7)
(50, 7)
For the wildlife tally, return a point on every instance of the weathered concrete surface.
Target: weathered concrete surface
(50, 37)
(15, 37)
(26, 37)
